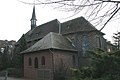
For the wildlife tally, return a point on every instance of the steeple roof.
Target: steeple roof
(33, 14)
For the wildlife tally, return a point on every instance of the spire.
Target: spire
(33, 19)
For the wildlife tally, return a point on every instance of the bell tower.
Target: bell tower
(33, 19)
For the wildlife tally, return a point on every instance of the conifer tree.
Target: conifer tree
(18, 58)
(5, 59)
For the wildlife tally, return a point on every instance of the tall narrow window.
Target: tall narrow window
(98, 42)
(43, 60)
(85, 44)
(29, 61)
(36, 62)
(74, 61)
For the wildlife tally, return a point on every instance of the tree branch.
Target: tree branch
(110, 18)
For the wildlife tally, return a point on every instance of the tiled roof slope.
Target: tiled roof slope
(77, 25)
(54, 41)
(42, 30)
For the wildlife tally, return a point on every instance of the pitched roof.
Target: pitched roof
(77, 25)
(42, 30)
(54, 41)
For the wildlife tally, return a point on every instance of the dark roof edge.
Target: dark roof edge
(48, 22)
(72, 19)
(48, 49)
(84, 31)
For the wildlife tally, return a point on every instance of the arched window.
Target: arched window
(74, 61)
(29, 61)
(36, 62)
(43, 60)
(98, 41)
(85, 44)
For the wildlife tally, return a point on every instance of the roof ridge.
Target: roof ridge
(47, 22)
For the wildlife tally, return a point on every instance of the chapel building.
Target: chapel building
(54, 45)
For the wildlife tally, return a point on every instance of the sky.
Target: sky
(15, 19)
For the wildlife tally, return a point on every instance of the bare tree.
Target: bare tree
(98, 12)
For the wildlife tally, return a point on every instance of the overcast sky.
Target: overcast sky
(15, 19)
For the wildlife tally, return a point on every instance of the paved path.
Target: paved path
(11, 78)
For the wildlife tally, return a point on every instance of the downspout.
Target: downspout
(53, 62)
